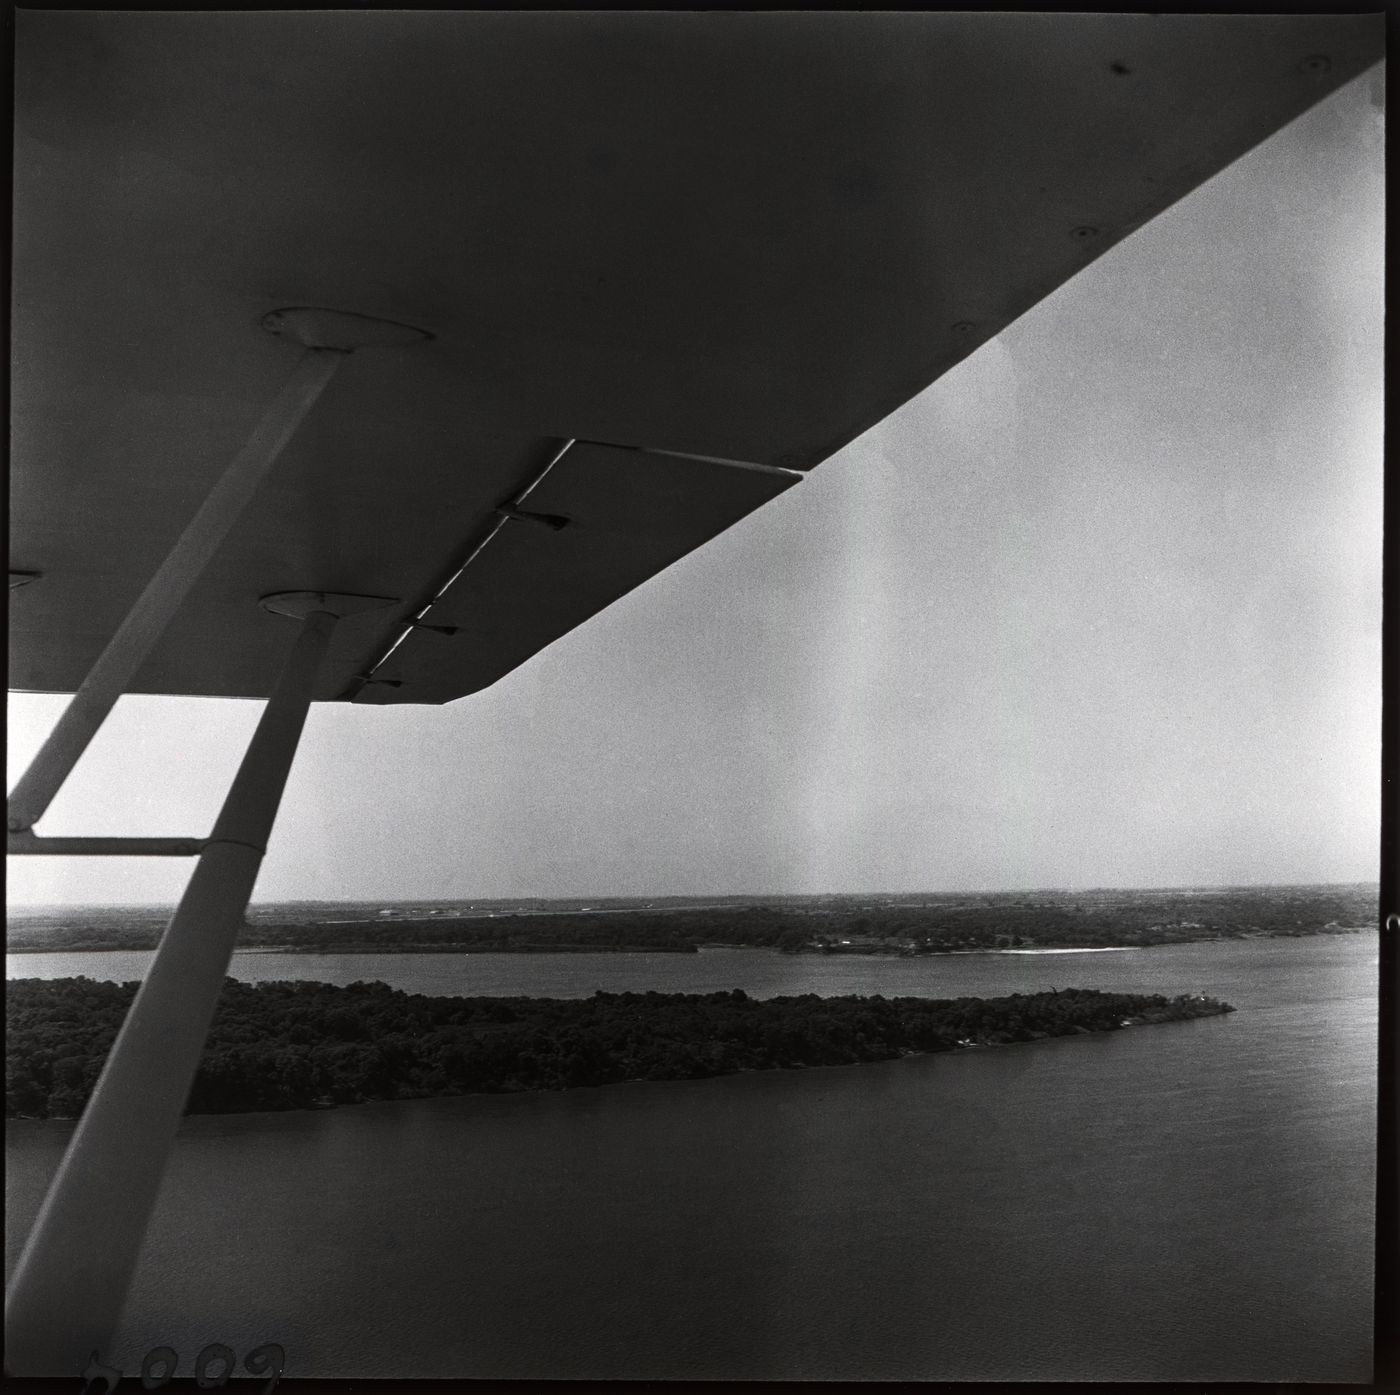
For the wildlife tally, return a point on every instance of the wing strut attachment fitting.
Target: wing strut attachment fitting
(327, 337)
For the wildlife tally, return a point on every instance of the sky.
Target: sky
(1099, 608)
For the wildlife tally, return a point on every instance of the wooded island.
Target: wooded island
(302, 1045)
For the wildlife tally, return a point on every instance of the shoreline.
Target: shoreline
(1073, 949)
(322, 951)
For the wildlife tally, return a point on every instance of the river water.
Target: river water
(1186, 1202)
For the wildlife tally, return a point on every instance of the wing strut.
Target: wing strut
(66, 1297)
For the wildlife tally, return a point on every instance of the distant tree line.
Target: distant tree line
(303, 1045)
(1057, 920)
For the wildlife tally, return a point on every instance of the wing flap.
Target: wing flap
(603, 521)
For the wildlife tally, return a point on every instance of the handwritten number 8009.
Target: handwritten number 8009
(159, 1365)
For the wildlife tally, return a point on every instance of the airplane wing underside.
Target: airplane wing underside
(697, 238)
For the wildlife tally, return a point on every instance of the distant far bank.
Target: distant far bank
(913, 924)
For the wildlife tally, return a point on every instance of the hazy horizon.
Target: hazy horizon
(1098, 609)
(691, 896)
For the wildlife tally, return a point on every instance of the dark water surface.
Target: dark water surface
(1185, 1202)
